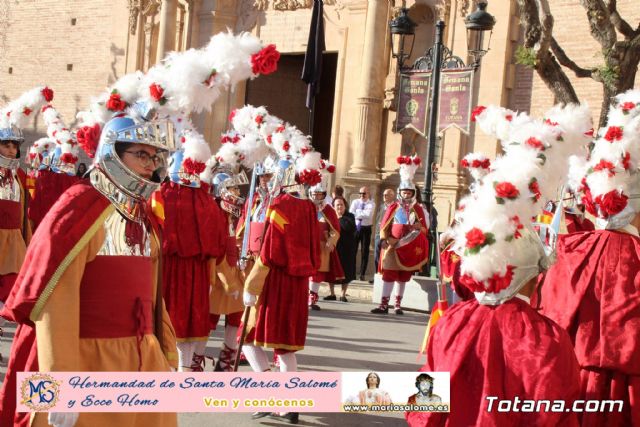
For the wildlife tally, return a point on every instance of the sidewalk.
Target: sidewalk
(340, 337)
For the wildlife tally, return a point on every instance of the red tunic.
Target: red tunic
(62, 229)
(194, 232)
(575, 224)
(504, 351)
(49, 187)
(593, 291)
(291, 251)
(328, 222)
(11, 221)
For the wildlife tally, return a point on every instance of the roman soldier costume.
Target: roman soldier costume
(496, 344)
(330, 269)
(403, 233)
(593, 290)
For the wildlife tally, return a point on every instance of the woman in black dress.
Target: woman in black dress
(346, 247)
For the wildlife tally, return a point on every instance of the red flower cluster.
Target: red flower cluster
(331, 169)
(192, 167)
(407, 160)
(626, 161)
(605, 165)
(476, 112)
(476, 164)
(614, 133)
(227, 138)
(516, 220)
(495, 283)
(475, 238)
(26, 111)
(534, 187)
(587, 199)
(627, 106)
(286, 146)
(68, 158)
(47, 94)
(259, 119)
(535, 143)
(265, 61)
(506, 190)
(309, 177)
(157, 93)
(115, 102)
(611, 203)
(509, 117)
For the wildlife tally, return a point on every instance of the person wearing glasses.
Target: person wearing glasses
(90, 290)
(363, 209)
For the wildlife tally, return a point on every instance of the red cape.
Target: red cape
(64, 225)
(593, 291)
(292, 239)
(504, 351)
(193, 222)
(48, 189)
(574, 224)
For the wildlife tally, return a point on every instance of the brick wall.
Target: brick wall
(571, 30)
(40, 43)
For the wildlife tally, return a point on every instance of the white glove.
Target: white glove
(62, 419)
(235, 294)
(248, 299)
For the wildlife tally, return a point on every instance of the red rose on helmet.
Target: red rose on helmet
(534, 187)
(193, 167)
(26, 111)
(605, 165)
(47, 94)
(286, 146)
(259, 119)
(535, 143)
(88, 138)
(499, 283)
(157, 93)
(626, 161)
(505, 190)
(265, 61)
(476, 112)
(475, 237)
(115, 102)
(464, 163)
(68, 158)
(627, 106)
(614, 133)
(611, 203)
(331, 169)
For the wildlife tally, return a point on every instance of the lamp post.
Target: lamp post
(403, 31)
(477, 23)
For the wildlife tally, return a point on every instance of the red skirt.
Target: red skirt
(6, 283)
(604, 384)
(231, 319)
(186, 295)
(396, 275)
(281, 321)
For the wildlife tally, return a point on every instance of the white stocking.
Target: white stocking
(314, 287)
(257, 357)
(230, 336)
(199, 347)
(185, 354)
(387, 287)
(400, 289)
(288, 362)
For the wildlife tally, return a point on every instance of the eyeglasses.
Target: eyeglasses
(362, 194)
(146, 158)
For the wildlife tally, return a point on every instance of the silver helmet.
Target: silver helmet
(224, 181)
(11, 134)
(124, 129)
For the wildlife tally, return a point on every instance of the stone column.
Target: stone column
(371, 95)
(167, 32)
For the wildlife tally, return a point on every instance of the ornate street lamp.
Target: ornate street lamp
(403, 34)
(477, 23)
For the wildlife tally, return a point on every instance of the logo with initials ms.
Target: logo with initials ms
(40, 392)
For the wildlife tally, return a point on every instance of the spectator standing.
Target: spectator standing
(346, 248)
(363, 209)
